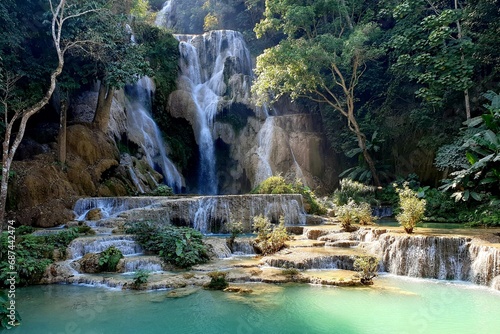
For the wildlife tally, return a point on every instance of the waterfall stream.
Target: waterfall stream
(143, 130)
(202, 69)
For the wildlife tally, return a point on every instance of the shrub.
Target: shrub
(33, 255)
(274, 185)
(366, 267)
(140, 277)
(217, 280)
(290, 272)
(269, 239)
(235, 228)
(181, 246)
(162, 190)
(277, 185)
(412, 208)
(353, 190)
(353, 212)
(108, 259)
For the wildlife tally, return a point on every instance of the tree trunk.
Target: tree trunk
(103, 109)
(61, 139)
(8, 150)
(362, 145)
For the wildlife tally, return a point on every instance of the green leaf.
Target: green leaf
(475, 195)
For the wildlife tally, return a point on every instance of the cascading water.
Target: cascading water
(202, 69)
(163, 16)
(265, 137)
(143, 130)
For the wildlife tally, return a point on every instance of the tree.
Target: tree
(430, 48)
(16, 115)
(412, 208)
(479, 178)
(321, 59)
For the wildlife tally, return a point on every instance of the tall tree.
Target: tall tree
(431, 48)
(325, 54)
(17, 115)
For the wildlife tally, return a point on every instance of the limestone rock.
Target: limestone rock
(94, 214)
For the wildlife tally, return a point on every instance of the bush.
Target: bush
(141, 277)
(181, 246)
(274, 185)
(277, 185)
(353, 190)
(269, 239)
(366, 267)
(353, 212)
(217, 280)
(108, 259)
(162, 190)
(33, 255)
(412, 208)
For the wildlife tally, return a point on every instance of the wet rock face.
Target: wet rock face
(88, 264)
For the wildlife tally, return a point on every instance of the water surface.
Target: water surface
(393, 305)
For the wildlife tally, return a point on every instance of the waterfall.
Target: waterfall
(110, 206)
(265, 137)
(205, 60)
(143, 130)
(163, 16)
(149, 263)
(81, 246)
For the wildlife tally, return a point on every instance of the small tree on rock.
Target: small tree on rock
(412, 208)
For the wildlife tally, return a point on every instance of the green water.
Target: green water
(393, 305)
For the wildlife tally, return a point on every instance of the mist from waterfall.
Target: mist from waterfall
(143, 130)
(202, 66)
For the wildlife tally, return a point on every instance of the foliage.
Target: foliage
(412, 208)
(430, 48)
(109, 258)
(8, 318)
(290, 272)
(366, 267)
(353, 190)
(140, 277)
(278, 185)
(161, 50)
(162, 190)
(217, 280)
(480, 179)
(269, 239)
(352, 212)
(181, 246)
(85, 229)
(33, 255)
(235, 228)
(273, 185)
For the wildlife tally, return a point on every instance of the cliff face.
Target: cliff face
(240, 144)
(43, 191)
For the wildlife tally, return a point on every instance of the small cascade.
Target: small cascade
(143, 130)
(110, 206)
(163, 17)
(148, 263)
(208, 214)
(218, 247)
(135, 179)
(485, 264)
(382, 211)
(243, 246)
(265, 137)
(205, 61)
(81, 246)
(426, 256)
(340, 261)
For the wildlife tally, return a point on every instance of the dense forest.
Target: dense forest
(405, 89)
